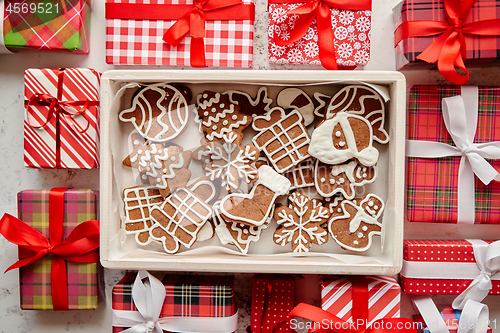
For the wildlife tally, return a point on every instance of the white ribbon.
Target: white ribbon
(148, 298)
(474, 317)
(460, 115)
(488, 261)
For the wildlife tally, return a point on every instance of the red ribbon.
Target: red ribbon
(449, 49)
(319, 10)
(190, 18)
(58, 108)
(325, 322)
(81, 245)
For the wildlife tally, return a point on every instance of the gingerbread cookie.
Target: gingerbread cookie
(344, 137)
(262, 160)
(300, 223)
(229, 162)
(363, 101)
(283, 138)
(182, 216)
(218, 117)
(320, 104)
(248, 105)
(301, 175)
(297, 99)
(253, 208)
(159, 111)
(138, 202)
(353, 225)
(342, 178)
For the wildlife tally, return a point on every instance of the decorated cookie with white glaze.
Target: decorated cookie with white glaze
(159, 111)
(301, 175)
(354, 223)
(250, 106)
(344, 137)
(297, 99)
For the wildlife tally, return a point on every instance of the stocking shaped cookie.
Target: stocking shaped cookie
(229, 162)
(254, 208)
(342, 178)
(218, 117)
(297, 99)
(179, 220)
(344, 137)
(353, 225)
(282, 137)
(300, 223)
(248, 105)
(363, 101)
(159, 112)
(138, 202)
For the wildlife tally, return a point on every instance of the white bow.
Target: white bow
(488, 261)
(460, 115)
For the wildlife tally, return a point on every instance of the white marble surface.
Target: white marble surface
(15, 177)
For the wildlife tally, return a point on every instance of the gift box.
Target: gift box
(180, 303)
(166, 32)
(294, 37)
(272, 301)
(380, 294)
(61, 127)
(58, 237)
(448, 152)
(448, 267)
(52, 25)
(413, 37)
(450, 316)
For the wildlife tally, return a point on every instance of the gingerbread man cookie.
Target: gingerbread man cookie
(353, 225)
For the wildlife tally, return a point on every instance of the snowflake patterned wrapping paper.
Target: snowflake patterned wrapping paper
(136, 36)
(272, 301)
(186, 296)
(50, 25)
(432, 183)
(384, 295)
(442, 267)
(351, 36)
(83, 280)
(61, 127)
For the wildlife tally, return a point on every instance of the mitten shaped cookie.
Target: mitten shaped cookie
(353, 225)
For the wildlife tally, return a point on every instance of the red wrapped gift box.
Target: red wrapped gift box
(433, 183)
(445, 267)
(61, 127)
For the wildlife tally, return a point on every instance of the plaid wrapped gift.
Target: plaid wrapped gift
(61, 127)
(52, 25)
(136, 31)
(351, 36)
(82, 278)
(186, 296)
(432, 183)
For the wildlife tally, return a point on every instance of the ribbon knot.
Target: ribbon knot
(150, 326)
(50, 251)
(469, 149)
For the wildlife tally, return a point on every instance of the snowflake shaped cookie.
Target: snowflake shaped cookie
(229, 162)
(300, 223)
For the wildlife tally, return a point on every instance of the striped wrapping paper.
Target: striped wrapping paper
(480, 49)
(140, 42)
(451, 318)
(384, 297)
(187, 296)
(78, 150)
(35, 286)
(431, 183)
(51, 25)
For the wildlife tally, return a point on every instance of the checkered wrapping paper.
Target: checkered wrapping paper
(480, 49)
(35, 286)
(187, 296)
(432, 183)
(53, 25)
(139, 42)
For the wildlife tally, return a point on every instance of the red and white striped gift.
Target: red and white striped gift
(61, 127)
(384, 296)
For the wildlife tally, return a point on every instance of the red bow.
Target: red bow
(319, 10)
(81, 245)
(449, 49)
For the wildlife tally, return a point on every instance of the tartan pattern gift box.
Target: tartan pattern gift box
(52, 25)
(178, 303)
(453, 155)
(180, 32)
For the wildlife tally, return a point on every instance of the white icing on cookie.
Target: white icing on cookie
(286, 97)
